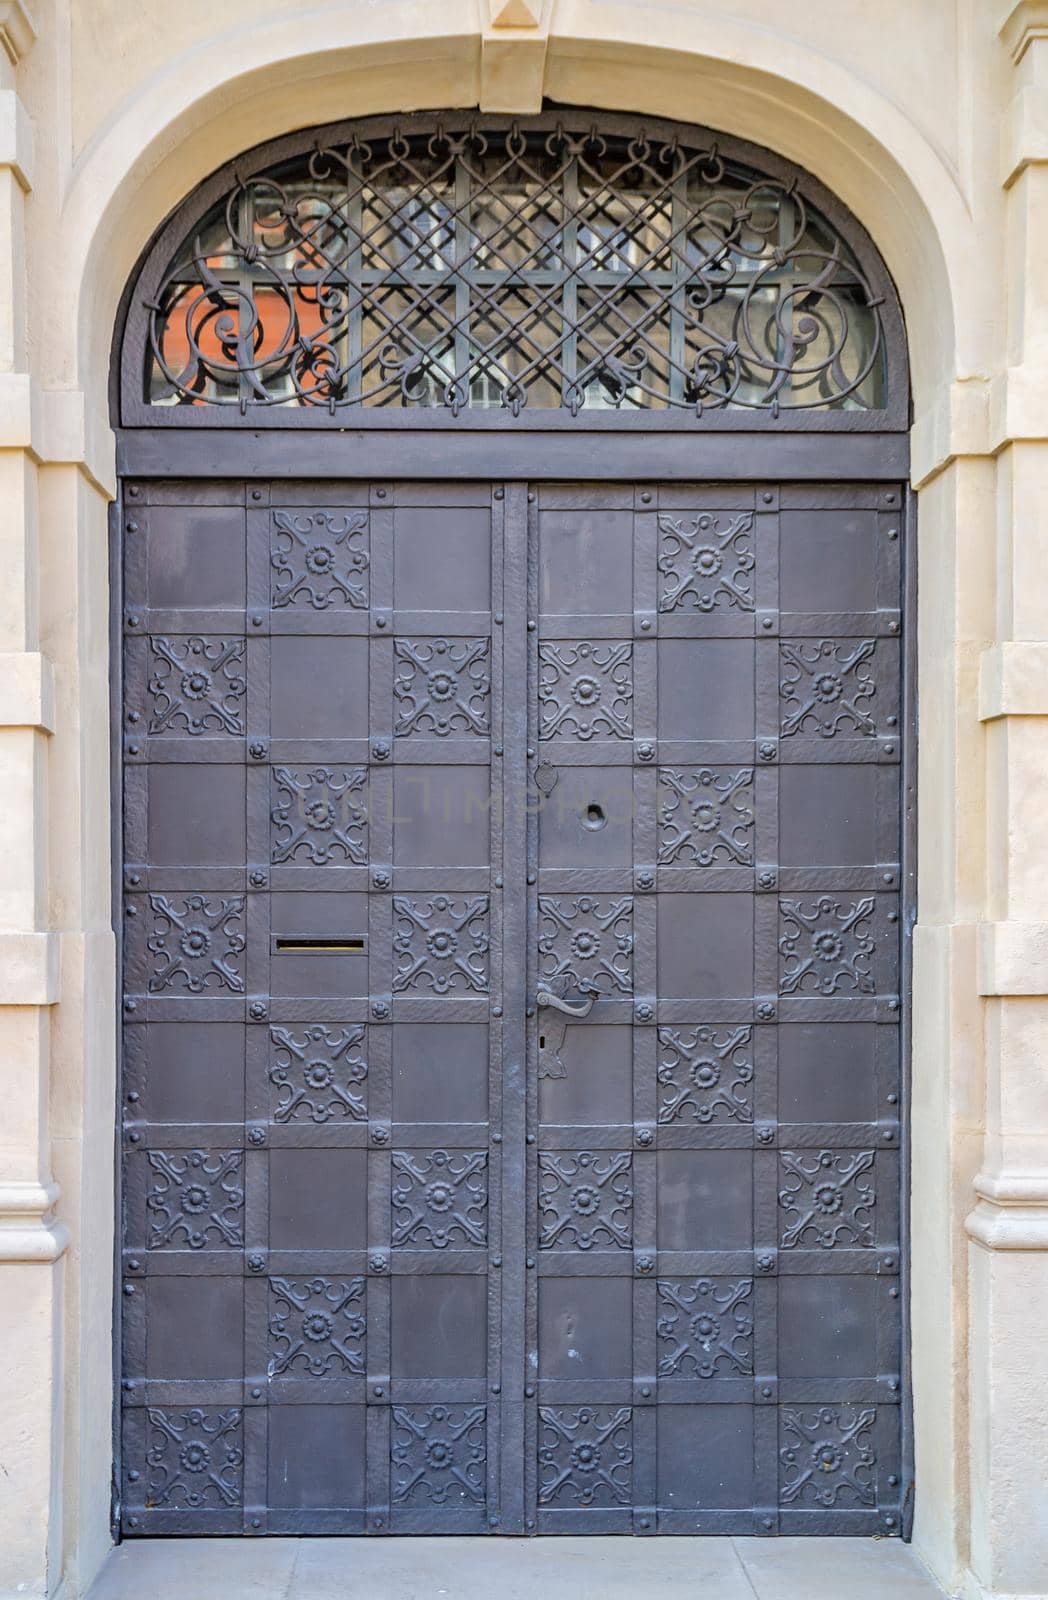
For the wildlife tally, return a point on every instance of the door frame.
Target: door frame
(532, 456)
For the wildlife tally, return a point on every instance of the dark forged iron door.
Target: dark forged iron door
(714, 1311)
(405, 815)
(323, 1007)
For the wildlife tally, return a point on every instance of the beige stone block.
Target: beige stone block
(30, 1405)
(1009, 1461)
(1013, 958)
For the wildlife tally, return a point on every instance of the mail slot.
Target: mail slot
(323, 945)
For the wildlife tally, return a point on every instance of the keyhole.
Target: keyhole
(542, 1041)
(594, 816)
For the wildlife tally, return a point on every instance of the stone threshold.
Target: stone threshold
(513, 1569)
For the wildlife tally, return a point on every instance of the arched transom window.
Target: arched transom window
(562, 265)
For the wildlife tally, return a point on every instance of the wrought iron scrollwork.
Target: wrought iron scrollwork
(553, 265)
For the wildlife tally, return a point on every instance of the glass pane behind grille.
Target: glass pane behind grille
(508, 269)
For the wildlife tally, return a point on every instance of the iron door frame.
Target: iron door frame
(156, 455)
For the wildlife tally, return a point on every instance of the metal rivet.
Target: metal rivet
(378, 1391)
(893, 533)
(256, 621)
(767, 497)
(132, 1522)
(496, 1261)
(646, 497)
(133, 620)
(889, 749)
(134, 877)
(645, 626)
(766, 1391)
(132, 911)
(531, 624)
(129, 1288)
(893, 1481)
(499, 494)
(376, 1522)
(645, 1390)
(136, 1137)
(893, 916)
(530, 1395)
(530, 1262)
(645, 1522)
(531, 877)
(530, 1012)
(893, 627)
(493, 1522)
(893, 1385)
(496, 1138)
(767, 622)
(256, 494)
(893, 1005)
(893, 1099)
(529, 1138)
(530, 1522)
(134, 1475)
(132, 526)
(256, 1522)
(892, 721)
(133, 1096)
(888, 1135)
(380, 622)
(496, 1388)
(531, 497)
(766, 1522)
(132, 749)
(134, 1263)
(888, 877)
(499, 618)
(130, 1005)
(380, 494)
(893, 1293)
(496, 1011)
(888, 1262)
(531, 752)
(256, 1394)
(133, 492)
(133, 716)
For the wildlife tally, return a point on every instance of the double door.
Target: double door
(511, 953)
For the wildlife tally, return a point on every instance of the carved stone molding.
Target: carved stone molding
(515, 13)
(17, 30)
(1011, 1212)
(27, 1231)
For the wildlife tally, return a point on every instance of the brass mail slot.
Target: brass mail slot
(326, 945)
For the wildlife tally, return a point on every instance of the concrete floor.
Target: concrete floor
(514, 1569)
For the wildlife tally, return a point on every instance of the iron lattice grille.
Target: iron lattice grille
(559, 268)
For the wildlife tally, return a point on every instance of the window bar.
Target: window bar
(355, 288)
(569, 300)
(462, 364)
(678, 295)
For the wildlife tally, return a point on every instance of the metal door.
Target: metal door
(715, 1189)
(510, 991)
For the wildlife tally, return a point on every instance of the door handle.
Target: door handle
(546, 997)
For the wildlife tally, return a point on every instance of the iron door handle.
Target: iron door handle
(545, 997)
